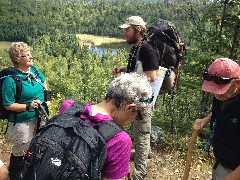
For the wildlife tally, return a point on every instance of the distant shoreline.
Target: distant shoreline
(94, 40)
(88, 40)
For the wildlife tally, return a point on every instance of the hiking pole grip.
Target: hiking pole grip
(44, 112)
(190, 153)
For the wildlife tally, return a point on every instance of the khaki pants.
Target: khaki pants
(21, 135)
(220, 172)
(142, 130)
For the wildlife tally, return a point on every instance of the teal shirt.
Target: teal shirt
(31, 90)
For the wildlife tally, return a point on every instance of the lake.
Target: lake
(102, 51)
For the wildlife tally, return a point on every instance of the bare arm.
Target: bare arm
(152, 75)
(200, 123)
(16, 107)
(234, 175)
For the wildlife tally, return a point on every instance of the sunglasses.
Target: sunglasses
(147, 100)
(216, 79)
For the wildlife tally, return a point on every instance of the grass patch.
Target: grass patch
(4, 44)
(93, 40)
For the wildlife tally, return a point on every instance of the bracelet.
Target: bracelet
(27, 107)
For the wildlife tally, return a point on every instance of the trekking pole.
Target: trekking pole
(44, 113)
(42, 116)
(190, 153)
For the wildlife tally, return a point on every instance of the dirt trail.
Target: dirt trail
(164, 165)
(5, 149)
(170, 166)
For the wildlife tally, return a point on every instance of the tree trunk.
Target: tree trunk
(222, 21)
(235, 43)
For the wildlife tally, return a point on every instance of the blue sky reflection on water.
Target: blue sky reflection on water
(101, 51)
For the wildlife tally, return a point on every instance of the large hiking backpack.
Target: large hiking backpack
(68, 148)
(166, 38)
(7, 72)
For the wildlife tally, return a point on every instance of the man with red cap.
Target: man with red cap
(222, 80)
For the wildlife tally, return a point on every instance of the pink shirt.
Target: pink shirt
(117, 163)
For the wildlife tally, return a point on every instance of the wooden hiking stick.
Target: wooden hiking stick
(190, 153)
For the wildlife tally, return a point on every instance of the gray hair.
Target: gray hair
(130, 88)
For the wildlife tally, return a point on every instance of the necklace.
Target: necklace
(25, 72)
(28, 74)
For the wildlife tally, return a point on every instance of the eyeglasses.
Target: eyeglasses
(148, 100)
(28, 55)
(216, 79)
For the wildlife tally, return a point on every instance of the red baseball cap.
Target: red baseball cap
(222, 67)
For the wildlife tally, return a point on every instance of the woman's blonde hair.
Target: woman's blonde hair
(16, 48)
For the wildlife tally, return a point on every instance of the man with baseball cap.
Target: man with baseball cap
(143, 58)
(222, 80)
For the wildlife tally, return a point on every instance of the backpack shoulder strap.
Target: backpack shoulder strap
(18, 87)
(106, 129)
(35, 70)
(75, 109)
(18, 93)
(139, 48)
(109, 129)
(8, 72)
(213, 113)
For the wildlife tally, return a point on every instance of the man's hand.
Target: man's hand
(35, 104)
(117, 70)
(200, 123)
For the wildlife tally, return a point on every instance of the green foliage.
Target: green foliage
(190, 103)
(209, 28)
(206, 25)
(77, 73)
(213, 26)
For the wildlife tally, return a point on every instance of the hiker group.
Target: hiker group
(87, 141)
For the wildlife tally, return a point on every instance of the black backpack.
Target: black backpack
(7, 72)
(166, 38)
(68, 148)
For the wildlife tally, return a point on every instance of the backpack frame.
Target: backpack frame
(166, 39)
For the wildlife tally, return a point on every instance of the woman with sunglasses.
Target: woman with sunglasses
(222, 80)
(23, 120)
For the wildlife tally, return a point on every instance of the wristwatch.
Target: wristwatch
(27, 107)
